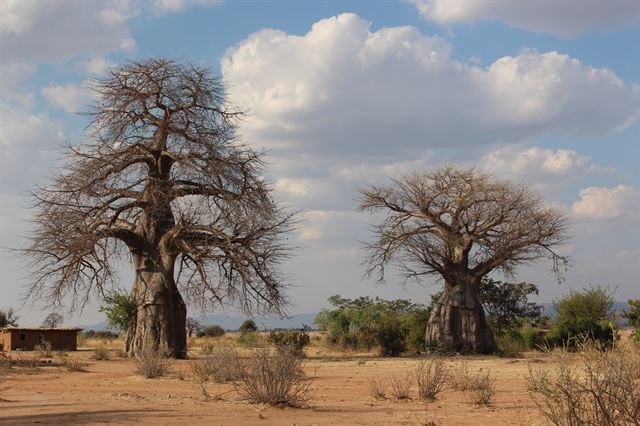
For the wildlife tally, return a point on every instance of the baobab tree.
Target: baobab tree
(164, 183)
(459, 225)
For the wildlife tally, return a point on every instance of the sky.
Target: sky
(344, 94)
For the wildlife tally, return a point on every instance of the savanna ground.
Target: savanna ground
(110, 391)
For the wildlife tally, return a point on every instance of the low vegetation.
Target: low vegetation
(152, 363)
(290, 341)
(211, 331)
(432, 376)
(601, 388)
(273, 378)
(481, 388)
(101, 354)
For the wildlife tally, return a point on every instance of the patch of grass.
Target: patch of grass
(460, 378)
(101, 354)
(72, 364)
(589, 387)
(400, 386)
(153, 363)
(432, 376)
(378, 389)
(44, 349)
(275, 379)
(482, 388)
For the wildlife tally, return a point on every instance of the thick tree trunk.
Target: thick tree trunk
(457, 322)
(161, 314)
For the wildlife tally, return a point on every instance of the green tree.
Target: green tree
(211, 331)
(586, 313)
(508, 303)
(120, 310)
(248, 326)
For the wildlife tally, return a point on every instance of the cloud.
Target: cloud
(69, 97)
(96, 65)
(601, 203)
(343, 91)
(171, 6)
(560, 18)
(56, 31)
(538, 164)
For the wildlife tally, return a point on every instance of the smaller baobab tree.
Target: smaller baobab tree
(54, 319)
(165, 184)
(459, 225)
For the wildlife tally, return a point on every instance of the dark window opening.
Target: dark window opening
(23, 337)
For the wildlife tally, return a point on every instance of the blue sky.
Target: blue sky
(348, 93)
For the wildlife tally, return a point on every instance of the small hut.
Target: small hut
(26, 338)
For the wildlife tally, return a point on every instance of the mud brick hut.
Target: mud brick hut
(26, 338)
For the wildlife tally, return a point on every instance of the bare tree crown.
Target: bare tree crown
(460, 220)
(162, 176)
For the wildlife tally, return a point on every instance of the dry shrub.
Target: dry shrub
(460, 378)
(601, 388)
(152, 363)
(100, 354)
(432, 376)
(44, 349)
(400, 386)
(27, 365)
(482, 388)
(121, 353)
(73, 364)
(275, 379)
(378, 389)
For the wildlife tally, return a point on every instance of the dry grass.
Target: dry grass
(101, 354)
(153, 363)
(273, 378)
(591, 387)
(482, 388)
(378, 389)
(432, 376)
(400, 385)
(72, 364)
(44, 349)
(460, 377)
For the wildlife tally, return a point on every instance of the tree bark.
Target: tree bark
(457, 322)
(161, 315)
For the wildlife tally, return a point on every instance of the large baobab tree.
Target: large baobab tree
(459, 225)
(162, 182)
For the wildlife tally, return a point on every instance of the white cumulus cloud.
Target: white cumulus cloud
(343, 90)
(69, 97)
(607, 203)
(536, 164)
(562, 18)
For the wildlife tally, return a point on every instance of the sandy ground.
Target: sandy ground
(110, 392)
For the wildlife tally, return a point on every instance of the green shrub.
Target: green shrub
(633, 315)
(510, 345)
(248, 326)
(211, 331)
(293, 341)
(390, 336)
(415, 325)
(249, 339)
(583, 314)
(531, 337)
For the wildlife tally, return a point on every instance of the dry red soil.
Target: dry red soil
(111, 392)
